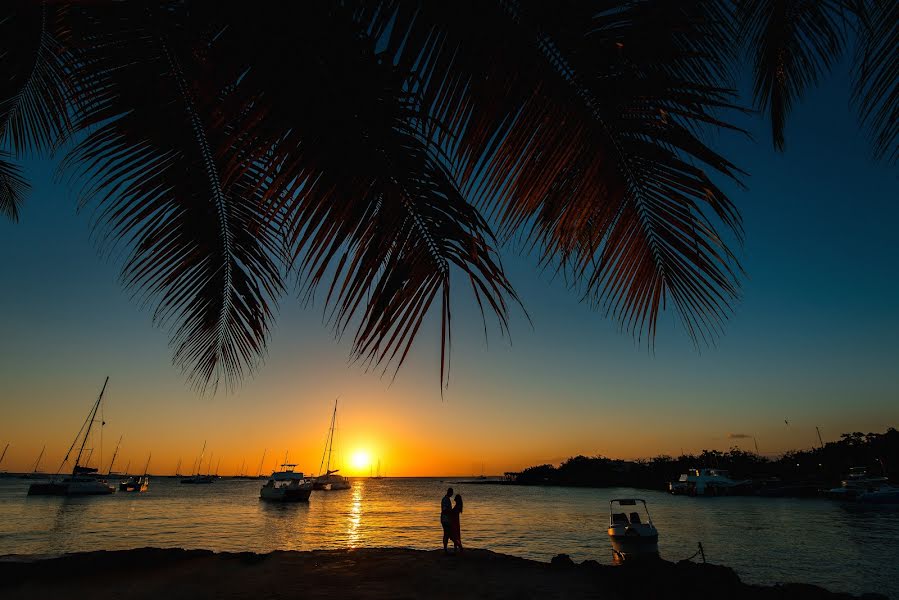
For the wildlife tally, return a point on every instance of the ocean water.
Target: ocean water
(767, 540)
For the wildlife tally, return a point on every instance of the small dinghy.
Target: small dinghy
(630, 534)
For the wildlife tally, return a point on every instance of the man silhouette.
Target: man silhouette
(446, 508)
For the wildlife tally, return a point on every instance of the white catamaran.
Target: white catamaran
(331, 480)
(84, 480)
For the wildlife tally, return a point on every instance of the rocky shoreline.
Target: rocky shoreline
(370, 573)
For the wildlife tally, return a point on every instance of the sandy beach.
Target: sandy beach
(175, 574)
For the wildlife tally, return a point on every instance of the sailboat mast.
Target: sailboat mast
(259, 471)
(114, 454)
(329, 442)
(2, 456)
(331, 436)
(199, 464)
(178, 466)
(147, 466)
(39, 457)
(90, 421)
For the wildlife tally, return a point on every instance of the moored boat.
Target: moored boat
(35, 474)
(137, 483)
(84, 480)
(197, 478)
(709, 482)
(331, 481)
(286, 485)
(631, 536)
(886, 494)
(857, 483)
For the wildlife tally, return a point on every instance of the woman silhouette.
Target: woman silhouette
(455, 525)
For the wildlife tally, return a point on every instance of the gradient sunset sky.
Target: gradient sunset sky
(813, 341)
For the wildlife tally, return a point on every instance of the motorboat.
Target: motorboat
(287, 485)
(84, 480)
(631, 535)
(887, 494)
(331, 481)
(708, 482)
(857, 483)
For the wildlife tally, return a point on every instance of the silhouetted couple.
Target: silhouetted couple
(449, 518)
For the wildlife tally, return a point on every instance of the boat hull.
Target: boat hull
(879, 497)
(75, 488)
(285, 494)
(630, 546)
(197, 480)
(331, 486)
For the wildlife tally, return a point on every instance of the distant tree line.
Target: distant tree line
(879, 452)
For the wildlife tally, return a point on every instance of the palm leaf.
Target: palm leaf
(361, 179)
(13, 188)
(33, 95)
(595, 163)
(876, 89)
(792, 42)
(158, 164)
(583, 123)
(33, 108)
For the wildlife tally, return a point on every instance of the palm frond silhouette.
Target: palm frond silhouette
(381, 151)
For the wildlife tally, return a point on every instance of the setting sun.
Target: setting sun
(361, 459)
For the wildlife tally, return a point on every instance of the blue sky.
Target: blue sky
(813, 340)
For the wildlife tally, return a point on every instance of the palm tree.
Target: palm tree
(378, 151)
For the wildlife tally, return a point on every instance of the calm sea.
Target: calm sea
(767, 540)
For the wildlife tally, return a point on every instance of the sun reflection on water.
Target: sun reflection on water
(353, 536)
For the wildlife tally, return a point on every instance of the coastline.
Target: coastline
(369, 573)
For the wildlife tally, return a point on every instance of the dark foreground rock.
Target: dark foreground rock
(368, 573)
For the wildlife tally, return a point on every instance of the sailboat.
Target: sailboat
(196, 477)
(112, 462)
(137, 483)
(3, 455)
(35, 474)
(378, 474)
(83, 481)
(259, 474)
(331, 480)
